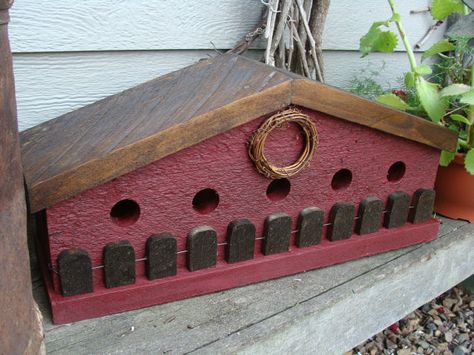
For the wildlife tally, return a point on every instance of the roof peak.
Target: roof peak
(118, 134)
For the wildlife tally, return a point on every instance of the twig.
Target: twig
(301, 50)
(317, 19)
(420, 11)
(244, 44)
(312, 42)
(430, 31)
(277, 36)
(307, 6)
(291, 45)
(270, 29)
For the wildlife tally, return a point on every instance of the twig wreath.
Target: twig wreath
(257, 144)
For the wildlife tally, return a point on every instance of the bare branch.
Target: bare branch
(312, 43)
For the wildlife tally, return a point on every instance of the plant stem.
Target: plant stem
(470, 127)
(401, 30)
(462, 143)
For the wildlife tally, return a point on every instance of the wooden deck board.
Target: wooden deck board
(330, 309)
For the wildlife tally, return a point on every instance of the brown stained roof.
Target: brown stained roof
(111, 137)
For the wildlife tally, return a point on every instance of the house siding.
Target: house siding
(70, 53)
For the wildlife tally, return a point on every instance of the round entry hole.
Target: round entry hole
(125, 213)
(206, 201)
(396, 171)
(342, 179)
(278, 189)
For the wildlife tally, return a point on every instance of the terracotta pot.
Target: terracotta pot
(455, 191)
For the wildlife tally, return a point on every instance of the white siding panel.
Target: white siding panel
(101, 25)
(49, 85)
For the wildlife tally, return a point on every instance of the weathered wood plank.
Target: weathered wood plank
(201, 248)
(161, 256)
(423, 204)
(75, 272)
(178, 110)
(324, 323)
(211, 90)
(43, 92)
(370, 215)
(240, 241)
(398, 205)
(20, 327)
(231, 320)
(310, 227)
(276, 234)
(355, 109)
(341, 219)
(69, 25)
(119, 264)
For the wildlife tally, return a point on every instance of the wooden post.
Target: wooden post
(20, 327)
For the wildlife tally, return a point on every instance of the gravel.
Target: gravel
(443, 326)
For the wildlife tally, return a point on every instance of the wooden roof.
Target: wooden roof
(111, 137)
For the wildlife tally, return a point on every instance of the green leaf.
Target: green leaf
(446, 158)
(377, 40)
(468, 98)
(460, 118)
(469, 161)
(455, 89)
(440, 9)
(439, 47)
(430, 98)
(410, 80)
(423, 69)
(392, 100)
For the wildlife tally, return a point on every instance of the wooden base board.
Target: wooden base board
(145, 293)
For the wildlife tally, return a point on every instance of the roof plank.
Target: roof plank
(126, 131)
(323, 98)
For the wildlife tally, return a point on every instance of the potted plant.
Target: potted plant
(442, 92)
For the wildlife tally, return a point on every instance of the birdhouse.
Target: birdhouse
(225, 173)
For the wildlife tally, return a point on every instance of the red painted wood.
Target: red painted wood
(145, 293)
(165, 189)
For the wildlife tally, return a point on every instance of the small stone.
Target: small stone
(448, 336)
(459, 350)
(433, 312)
(443, 346)
(426, 308)
(390, 344)
(449, 302)
(424, 344)
(404, 352)
(431, 326)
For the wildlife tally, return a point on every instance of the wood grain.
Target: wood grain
(52, 84)
(165, 190)
(229, 321)
(20, 328)
(355, 109)
(71, 309)
(69, 25)
(85, 148)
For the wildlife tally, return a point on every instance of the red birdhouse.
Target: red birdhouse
(222, 174)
